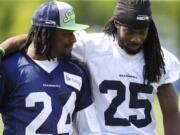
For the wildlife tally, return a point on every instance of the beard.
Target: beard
(129, 48)
(65, 56)
(66, 53)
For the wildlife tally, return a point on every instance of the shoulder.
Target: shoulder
(99, 39)
(74, 66)
(169, 58)
(75, 74)
(14, 57)
(172, 68)
(92, 38)
(97, 43)
(89, 45)
(14, 61)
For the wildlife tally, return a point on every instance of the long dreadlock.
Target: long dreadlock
(153, 55)
(42, 39)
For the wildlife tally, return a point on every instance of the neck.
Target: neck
(31, 53)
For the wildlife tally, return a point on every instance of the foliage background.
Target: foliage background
(15, 17)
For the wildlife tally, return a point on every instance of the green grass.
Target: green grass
(157, 114)
(1, 127)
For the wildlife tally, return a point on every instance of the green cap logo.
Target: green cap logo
(69, 16)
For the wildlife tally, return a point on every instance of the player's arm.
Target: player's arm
(13, 44)
(85, 119)
(168, 100)
(86, 122)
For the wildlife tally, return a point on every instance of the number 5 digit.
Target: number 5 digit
(136, 88)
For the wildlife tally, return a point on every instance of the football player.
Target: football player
(129, 68)
(42, 91)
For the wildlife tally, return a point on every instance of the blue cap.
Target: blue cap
(58, 15)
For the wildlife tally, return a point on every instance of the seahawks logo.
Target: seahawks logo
(69, 16)
(142, 18)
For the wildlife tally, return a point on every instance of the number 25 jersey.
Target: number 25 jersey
(122, 100)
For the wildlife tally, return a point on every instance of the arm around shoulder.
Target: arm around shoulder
(13, 44)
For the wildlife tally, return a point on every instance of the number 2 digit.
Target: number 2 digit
(109, 113)
(31, 99)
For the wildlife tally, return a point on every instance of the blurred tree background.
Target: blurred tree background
(15, 17)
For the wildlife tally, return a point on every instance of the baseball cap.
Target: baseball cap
(58, 15)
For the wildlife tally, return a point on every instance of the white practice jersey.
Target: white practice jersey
(122, 101)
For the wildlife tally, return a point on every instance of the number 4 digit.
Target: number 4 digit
(62, 127)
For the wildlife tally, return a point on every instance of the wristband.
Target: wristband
(2, 51)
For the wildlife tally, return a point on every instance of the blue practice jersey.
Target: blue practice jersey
(34, 102)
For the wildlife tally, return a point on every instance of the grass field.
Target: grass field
(157, 114)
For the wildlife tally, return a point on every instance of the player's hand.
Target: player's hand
(13, 44)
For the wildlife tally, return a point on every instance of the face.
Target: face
(131, 40)
(62, 42)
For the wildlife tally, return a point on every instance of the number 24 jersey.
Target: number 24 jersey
(34, 102)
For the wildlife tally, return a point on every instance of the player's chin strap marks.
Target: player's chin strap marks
(2, 51)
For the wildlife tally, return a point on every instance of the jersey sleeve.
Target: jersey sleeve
(86, 122)
(79, 49)
(3, 79)
(1, 84)
(172, 68)
(84, 98)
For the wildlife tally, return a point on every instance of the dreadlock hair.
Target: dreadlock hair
(153, 55)
(110, 28)
(42, 39)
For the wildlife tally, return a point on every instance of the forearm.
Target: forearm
(13, 44)
(168, 100)
(172, 124)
